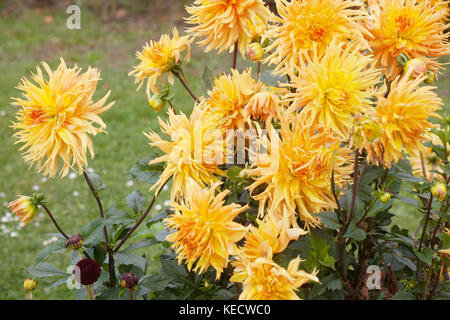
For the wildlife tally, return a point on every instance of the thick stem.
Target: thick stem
(186, 86)
(138, 223)
(235, 52)
(355, 189)
(112, 273)
(333, 189)
(54, 221)
(424, 230)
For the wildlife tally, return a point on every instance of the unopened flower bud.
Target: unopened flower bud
(430, 77)
(439, 190)
(255, 52)
(87, 271)
(385, 197)
(416, 68)
(156, 103)
(129, 280)
(30, 284)
(74, 242)
(24, 208)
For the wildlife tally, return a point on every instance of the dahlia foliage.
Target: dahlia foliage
(286, 173)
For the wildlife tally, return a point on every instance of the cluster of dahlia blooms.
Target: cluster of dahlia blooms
(340, 96)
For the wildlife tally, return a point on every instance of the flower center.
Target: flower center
(315, 32)
(403, 22)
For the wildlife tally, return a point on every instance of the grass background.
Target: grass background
(34, 35)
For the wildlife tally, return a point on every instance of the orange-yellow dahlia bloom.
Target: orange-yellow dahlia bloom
(266, 280)
(410, 27)
(229, 97)
(332, 87)
(303, 24)
(296, 169)
(263, 105)
(24, 208)
(431, 160)
(194, 151)
(366, 134)
(271, 231)
(205, 231)
(222, 23)
(403, 117)
(57, 116)
(158, 58)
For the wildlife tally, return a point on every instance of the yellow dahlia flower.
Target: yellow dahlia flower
(194, 151)
(266, 280)
(158, 58)
(57, 116)
(24, 208)
(409, 27)
(366, 134)
(297, 168)
(277, 233)
(229, 97)
(205, 232)
(333, 87)
(430, 159)
(403, 117)
(222, 23)
(304, 24)
(263, 105)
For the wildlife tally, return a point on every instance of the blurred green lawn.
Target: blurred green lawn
(27, 40)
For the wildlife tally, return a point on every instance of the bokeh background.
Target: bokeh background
(111, 32)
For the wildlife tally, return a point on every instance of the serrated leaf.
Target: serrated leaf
(176, 273)
(96, 181)
(93, 232)
(355, 233)
(52, 248)
(329, 220)
(378, 207)
(45, 269)
(144, 172)
(128, 258)
(158, 217)
(426, 255)
(136, 201)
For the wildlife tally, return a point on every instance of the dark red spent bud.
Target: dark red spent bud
(74, 242)
(87, 271)
(129, 280)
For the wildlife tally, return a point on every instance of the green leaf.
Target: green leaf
(96, 181)
(52, 248)
(128, 258)
(355, 233)
(426, 255)
(270, 79)
(45, 269)
(402, 295)
(329, 220)
(158, 217)
(93, 232)
(379, 207)
(117, 217)
(144, 172)
(156, 283)
(207, 79)
(178, 274)
(141, 244)
(136, 202)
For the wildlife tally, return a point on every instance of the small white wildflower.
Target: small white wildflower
(76, 193)
(35, 188)
(2, 195)
(90, 170)
(13, 234)
(37, 224)
(166, 203)
(158, 207)
(72, 175)
(130, 183)
(44, 179)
